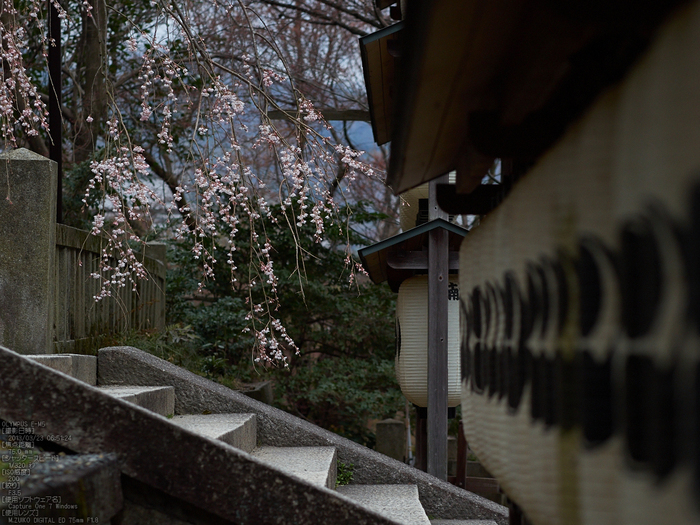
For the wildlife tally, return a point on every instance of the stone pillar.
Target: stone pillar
(451, 456)
(157, 250)
(391, 439)
(27, 251)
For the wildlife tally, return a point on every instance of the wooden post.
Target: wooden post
(462, 451)
(515, 515)
(421, 441)
(434, 210)
(438, 278)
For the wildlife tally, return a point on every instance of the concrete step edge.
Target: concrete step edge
(317, 465)
(396, 502)
(238, 430)
(80, 367)
(158, 399)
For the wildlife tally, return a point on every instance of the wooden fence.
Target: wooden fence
(79, 320)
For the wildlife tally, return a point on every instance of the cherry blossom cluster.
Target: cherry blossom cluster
(21, 107)
(120, 180)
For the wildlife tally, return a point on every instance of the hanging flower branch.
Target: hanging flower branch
(177, 111)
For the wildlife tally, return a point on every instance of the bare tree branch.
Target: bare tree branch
(322, 16)
(173, 183)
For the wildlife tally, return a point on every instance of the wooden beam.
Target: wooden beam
(417, 260)
(347, 115)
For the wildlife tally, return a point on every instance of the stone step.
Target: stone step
(158, 399)
(240, 488)
(80, 367)
(238, 430)
(316, 465)
(396, 502)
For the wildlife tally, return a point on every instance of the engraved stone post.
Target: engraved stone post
(27, 251)
(391, 439)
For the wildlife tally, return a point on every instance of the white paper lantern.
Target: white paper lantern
(412, 341)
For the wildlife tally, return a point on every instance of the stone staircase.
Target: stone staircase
(187, 450)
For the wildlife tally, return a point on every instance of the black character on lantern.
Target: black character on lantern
(453, 292)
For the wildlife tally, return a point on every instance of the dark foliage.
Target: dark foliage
(343, 375)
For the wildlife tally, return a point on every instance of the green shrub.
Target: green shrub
(345, 474)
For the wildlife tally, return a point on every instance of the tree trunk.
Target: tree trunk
(94, 93)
